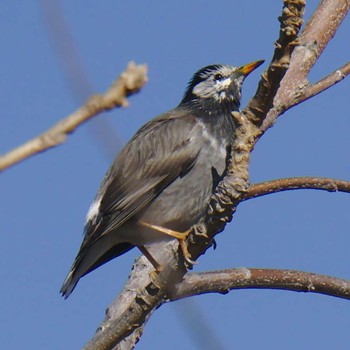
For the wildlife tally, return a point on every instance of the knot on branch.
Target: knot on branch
(235, 183)
(51, 139)
(135, 76)
(291, 18)
(128, 83)
(231, 189)
(233, 186)
(291, 21)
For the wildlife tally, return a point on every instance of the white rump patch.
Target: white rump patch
(93, 210)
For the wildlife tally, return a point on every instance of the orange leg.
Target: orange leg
(180, 236)
(150, 258)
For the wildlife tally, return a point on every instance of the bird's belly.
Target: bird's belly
(184, 201)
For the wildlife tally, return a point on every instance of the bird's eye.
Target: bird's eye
(218, 76)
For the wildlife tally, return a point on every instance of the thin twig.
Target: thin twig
(323, 84)
(72, 66)
(249, 278)
(296, 183)
(128, 83)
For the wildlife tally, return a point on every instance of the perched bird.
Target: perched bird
(161, 182)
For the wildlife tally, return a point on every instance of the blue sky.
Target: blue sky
(44, 200)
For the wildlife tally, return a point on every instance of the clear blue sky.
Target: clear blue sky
(44, 200)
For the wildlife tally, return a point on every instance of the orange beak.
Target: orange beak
(245, 70)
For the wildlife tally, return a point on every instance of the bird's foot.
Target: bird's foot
(180, 236)
(186, 254)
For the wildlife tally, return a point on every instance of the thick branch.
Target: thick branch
(128, 83)
(290, 23)
(248, 278)
(140, 297)
(233, 187)
(296, 183)
(275, 93)
(220, 211)
(313, 39)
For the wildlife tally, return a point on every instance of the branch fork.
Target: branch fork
(283, 85)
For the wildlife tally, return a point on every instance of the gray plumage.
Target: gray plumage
(166, 173)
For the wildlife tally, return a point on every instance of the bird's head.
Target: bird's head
(218, 84)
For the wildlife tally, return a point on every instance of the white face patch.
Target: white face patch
(205, 89)
(224, 84)
(214, 88)
(93, 210)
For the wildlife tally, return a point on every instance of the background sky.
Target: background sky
(53, 55)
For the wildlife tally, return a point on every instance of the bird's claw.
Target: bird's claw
(187, 256)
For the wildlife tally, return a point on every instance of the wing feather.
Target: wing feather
(159, 152)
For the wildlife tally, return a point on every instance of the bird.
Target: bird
(160, 183)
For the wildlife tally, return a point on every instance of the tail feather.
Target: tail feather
(69, 284)
(88, 260)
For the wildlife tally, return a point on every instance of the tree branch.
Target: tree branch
(233, 187)
(290, 20)
(128, 83)
(250, 278)
(72, 65)
(317, 32)
(276, 93)
(296, 183)
(143, 293)
(323, 84)
(148, 295)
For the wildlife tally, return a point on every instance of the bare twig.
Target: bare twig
(249, 278)
(296, 183)
(72, 65)
(128, 83)
(324, 84)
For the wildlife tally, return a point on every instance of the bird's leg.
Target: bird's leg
(180, 236)
(150, 258)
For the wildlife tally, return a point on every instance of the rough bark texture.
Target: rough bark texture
(227, 280)
(296, 183)
(282, 85)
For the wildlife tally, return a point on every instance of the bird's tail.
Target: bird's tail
(72, 278)
(90, 258)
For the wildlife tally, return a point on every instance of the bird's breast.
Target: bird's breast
(185, 200)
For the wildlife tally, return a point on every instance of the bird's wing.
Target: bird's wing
(159, 152)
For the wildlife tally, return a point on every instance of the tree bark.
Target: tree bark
(283, 85)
